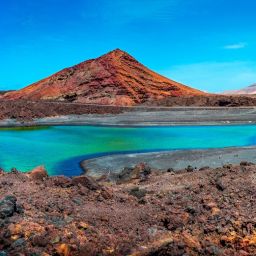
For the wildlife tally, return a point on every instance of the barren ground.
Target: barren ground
(204, 212)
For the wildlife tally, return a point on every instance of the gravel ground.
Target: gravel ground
(148, 117)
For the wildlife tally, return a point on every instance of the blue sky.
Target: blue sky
(207, 44)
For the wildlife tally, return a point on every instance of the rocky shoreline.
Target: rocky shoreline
(145, 212)
(175, 159)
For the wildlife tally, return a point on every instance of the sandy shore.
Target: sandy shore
(150, 117)
(177, 160)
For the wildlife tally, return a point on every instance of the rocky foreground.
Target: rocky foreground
(145, 212)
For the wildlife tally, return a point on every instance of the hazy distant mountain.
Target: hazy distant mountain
(115, 78)
(4, 92)
(247, 90)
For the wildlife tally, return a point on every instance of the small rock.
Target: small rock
(137, 192)
(140, 171)
(55, 240)
(62, 181)
(209, 206)
(69, 219)
(77, 201)
(128, 174)
(190, 168)
(144, 169)
(191, 210)
(83, 225)
(204, 168)
(87, 182)
(106, 194)
(152, 231)
(14, 170)
(213, 250)
(19, 243)
(142, 201)
(219, 185)
(245, 163)
(227, 166)
(39, 173)
(2, 223)
(40, 240)
(7, 206)
(63, 249)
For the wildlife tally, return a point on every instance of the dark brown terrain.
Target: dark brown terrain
(28, 110)
(206, 101)
(115, 78)
(191, 212)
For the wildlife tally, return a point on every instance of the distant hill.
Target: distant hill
(247, 90)
(4, 92)
(115, 78)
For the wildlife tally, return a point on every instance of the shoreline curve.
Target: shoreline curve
(176, 159)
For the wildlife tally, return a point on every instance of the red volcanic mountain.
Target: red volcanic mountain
(115, 78)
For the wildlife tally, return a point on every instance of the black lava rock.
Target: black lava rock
(137, 192)
(190, 168)
(8, 206)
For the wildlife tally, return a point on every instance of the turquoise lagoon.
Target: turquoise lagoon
(61, 148)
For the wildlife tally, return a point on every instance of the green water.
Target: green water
(61, 148)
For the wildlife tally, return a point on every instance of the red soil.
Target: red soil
(192, 212)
